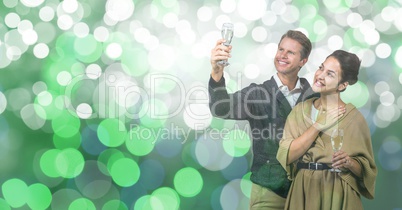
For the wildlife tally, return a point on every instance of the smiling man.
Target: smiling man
(266, 107)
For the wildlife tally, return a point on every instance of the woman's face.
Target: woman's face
(328, 76)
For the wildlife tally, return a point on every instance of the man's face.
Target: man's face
(288, 57)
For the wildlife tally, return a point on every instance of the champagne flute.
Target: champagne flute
(227, 34)
(336, 141)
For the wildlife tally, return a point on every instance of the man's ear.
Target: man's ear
(303, 61)
(342, 86)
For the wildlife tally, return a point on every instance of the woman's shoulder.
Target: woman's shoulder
(353, 111)
(354, 116)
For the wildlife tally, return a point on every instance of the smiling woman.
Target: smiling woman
(305, 150)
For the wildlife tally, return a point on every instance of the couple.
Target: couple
(292, 171)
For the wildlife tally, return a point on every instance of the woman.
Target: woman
(306, 151)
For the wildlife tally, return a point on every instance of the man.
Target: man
(266, 107)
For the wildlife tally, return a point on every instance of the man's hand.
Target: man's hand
(218, 53)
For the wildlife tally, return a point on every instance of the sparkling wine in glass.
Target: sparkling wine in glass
(336, 141)
(227, 34)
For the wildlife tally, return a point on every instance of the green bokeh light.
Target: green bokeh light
(47, 163)
(301, 3)
(66, 125)
(32, 116)
(50, 111)
(120, 39)
(338, 6)
(140, 141)
(70, 142)
(39, 197)
(115, 204)
(354, 38)
(188, 182)
(77, 69)
(61, 59)
(65, 45)
(237, 143)
(168, 197)
(82, 203)
(162, 7)
(153, 113)
(125, 172)
(44, 98)
(316, 27)
(218, 123)
(87, 49)
(69, 163)
(134, 58)
(4, 205)
(188, 157)
(63, 198)
(232, 86)
(245, 184)
(107, 158)
(15, 192)
(357, 94)
(164, 83)
(397, 59)
(112, 132)
(145, 203)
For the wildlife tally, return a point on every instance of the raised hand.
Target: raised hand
(218, 53)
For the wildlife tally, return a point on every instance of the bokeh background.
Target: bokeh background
(104, 104)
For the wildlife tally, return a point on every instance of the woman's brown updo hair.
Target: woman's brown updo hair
(350, 65)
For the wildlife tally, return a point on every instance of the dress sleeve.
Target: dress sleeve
(361, 150)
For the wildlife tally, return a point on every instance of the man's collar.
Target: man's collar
(281, 85)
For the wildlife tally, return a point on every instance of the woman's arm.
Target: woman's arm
(301, 144)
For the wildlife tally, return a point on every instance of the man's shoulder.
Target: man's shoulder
(270, 83)
(258, 90)
(304, 82)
